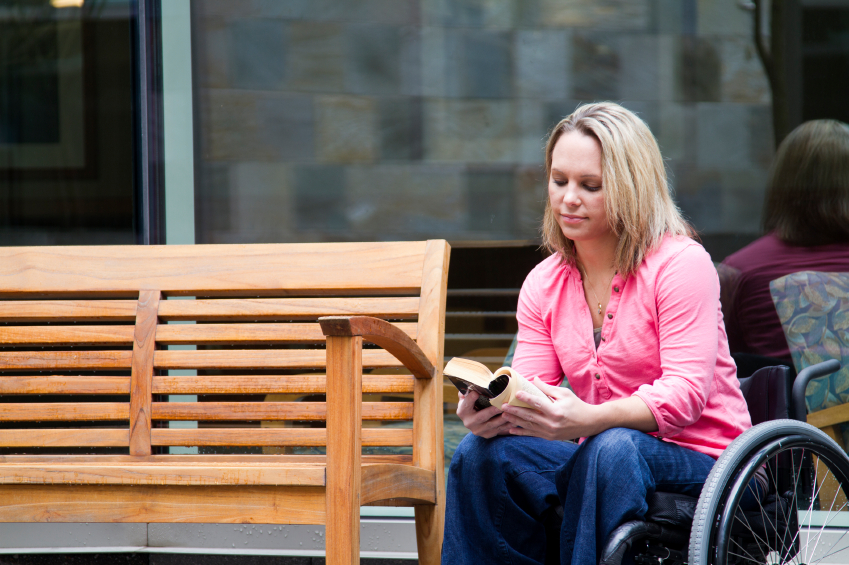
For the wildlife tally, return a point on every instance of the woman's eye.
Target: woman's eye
(592, 188)
(559, 182)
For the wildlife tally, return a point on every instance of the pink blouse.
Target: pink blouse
(662, 339)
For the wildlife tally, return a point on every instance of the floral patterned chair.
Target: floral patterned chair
(814, 311)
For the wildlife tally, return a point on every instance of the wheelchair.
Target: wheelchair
(803, 487)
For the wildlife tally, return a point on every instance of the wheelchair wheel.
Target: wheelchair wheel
(803, 518)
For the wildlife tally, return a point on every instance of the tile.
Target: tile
(434, 62)
(395, 12)
(639, 62)
(315, 58)
(599, 14)
(229, 131)
(723, 17)
(533, 131)
(761, 138)
(212, 199)
(479, 64)
(666, 16)
(672, 133)
(405, 201)
(646, 110)
(742, 200)
(699, 195)
(595, 66)
(667, 67)
(490, 203)
(543, 63)
(743, 77)
(400, 128)
(285, 127)
(698, 70)
(250, 125)
(320, 199)
(476, 131)
(212, 50)
(556, 111)
(261, 209)
(372, 59)
(723, 136)
(411, 60)
(531, 195)
(258, 54)
(346, 129)
(491, 14)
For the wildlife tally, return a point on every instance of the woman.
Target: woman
(627, 308)
(806, 219)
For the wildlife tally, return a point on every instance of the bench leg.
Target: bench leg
(429, 523)
(344, 441)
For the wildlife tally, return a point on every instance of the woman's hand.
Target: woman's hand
(487, 423)
(569, 417)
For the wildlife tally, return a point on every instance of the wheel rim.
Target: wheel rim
(798, 527)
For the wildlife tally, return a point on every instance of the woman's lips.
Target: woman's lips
(572, 219)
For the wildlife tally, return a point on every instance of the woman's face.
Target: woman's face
(575, 190)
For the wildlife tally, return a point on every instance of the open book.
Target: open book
(495, 389)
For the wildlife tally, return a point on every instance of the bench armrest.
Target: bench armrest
(385, 335)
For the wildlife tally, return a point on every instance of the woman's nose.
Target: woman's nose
(570, 196)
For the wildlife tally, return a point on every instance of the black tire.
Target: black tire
(797, 457)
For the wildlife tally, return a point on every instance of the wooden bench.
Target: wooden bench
(85, 374)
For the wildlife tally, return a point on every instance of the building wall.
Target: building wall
(406, 119)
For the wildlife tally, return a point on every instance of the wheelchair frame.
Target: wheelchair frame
(794, 454)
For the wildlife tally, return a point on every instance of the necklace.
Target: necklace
(608, 286)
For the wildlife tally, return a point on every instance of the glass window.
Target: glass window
(66, 125)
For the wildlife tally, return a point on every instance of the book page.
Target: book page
(469, 371)
(517, 383)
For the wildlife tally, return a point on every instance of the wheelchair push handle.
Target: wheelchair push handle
(801, 384)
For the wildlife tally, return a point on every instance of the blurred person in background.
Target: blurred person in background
(806, 222)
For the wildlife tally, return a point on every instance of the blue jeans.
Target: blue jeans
(501, 490)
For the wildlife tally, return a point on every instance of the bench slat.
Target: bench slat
(261, 359)
(272, 437)
(270, 384)
(162, 503)
(67, 310)
(169, 474)
(204, 270)
(272, 411)
(184, 459)
(210, 334)
(72, 360)
(66, 335)
(90, 437)
(60, 384)
(216, 384)
(64, 411)
(282, 309)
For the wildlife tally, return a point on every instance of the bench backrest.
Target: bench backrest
(85, 337)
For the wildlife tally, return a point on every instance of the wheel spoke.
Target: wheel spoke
(748, 555)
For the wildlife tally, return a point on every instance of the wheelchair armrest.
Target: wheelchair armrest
(800, 410)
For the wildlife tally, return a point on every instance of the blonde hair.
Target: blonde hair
(637, 197)
(807, 198)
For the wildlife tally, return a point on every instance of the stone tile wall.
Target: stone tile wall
(405, 119)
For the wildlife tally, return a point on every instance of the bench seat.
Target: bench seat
(330, 347)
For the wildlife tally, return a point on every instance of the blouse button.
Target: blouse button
(616, 288)
(610, 316)
(597, 376)
(602, 338)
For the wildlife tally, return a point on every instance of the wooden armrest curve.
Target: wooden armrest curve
(384, 334)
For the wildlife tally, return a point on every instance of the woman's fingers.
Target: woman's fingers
(486, 423)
